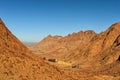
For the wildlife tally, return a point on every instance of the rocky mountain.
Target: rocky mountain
(91, 52)
(58, 46)
(98, 56)
(45, 45)
(102, 53)
(18, 63)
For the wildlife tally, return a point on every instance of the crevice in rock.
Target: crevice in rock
(118, 58)
(117, 41)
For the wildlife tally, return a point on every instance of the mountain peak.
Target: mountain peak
(1, 21)
(17, 62)
(90, 31)
(3, 27)
(9, 42)
(115, 26)
(117, 23)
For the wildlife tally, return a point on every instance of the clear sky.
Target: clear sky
(32, 20)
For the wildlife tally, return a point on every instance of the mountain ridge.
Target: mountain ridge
(18, 63)
(51, 44)
(93, 52)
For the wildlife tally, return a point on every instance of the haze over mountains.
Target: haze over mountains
(96, 55)
(29, 43)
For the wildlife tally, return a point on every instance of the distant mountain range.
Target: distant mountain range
(29, 43)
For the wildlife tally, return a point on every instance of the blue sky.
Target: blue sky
(32, 20)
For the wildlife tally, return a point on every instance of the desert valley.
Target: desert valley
(84, 55)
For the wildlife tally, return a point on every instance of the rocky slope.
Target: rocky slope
(102, 54)
(58, 47)
(97, 53)
(104, 42)
(18, 63)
